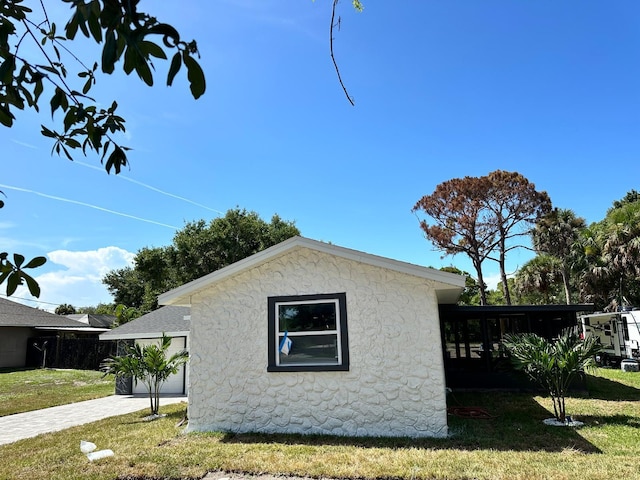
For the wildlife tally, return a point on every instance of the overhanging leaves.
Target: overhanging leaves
(36, 262)
(13, 273)
(24, 76)
(6, 117)
(195, 75)
(176, 63)
(124, 32)
(109, 52)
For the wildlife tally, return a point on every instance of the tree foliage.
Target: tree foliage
(13, 273)
(596, 264)
(65, 309)
(12, 270)
(536, 282)
(610, 250)
(632, 196)
(125, 314)
(197, 250)
(554, 365)
(100, 309)
(471, 289)
(148, 364)
(481, 217)
(459, 227)
(514, 205)
(556, 235)
(130, 38)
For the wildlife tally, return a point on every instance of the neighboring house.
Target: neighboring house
(21, 326)
(172, 321)
(309, 337)
(94, 320)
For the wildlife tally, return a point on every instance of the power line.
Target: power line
(29, 300)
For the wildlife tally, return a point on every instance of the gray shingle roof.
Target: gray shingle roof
(13, 314)
(168, 319)
(95, 320)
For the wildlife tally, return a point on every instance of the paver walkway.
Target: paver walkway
(29, 424)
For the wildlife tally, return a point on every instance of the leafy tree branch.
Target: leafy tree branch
(128, 37)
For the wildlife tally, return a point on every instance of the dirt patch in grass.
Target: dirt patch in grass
(245, 476)
(232, 476)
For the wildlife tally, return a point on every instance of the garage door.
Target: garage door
(175, 384)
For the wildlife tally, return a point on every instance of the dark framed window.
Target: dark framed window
(308, 333)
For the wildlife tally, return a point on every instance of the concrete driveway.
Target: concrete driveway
(30, 424)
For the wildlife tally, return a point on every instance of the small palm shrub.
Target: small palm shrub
(148, 364)
(553, 365)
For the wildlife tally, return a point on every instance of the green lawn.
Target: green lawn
(26, 390)
(512, 445)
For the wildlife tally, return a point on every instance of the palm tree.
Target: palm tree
(538, 276)
(65, 309)
(125, 314)
(553, 365)
(611, 255)
(555, 234)
(148, 364)
(594, 275)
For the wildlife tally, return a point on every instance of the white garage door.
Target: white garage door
(175, 384)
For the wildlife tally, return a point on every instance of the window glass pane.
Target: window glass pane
(311, 349)
(310, 317)
(474, 348)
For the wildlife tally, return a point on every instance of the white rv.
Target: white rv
(618, 332)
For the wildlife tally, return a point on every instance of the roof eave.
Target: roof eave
(143, 335)
(182, 295)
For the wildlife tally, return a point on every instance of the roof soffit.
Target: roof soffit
(445, 281)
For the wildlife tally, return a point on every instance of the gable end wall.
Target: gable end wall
(395, 385)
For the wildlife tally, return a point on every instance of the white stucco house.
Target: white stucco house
(308, 337)
(147, 329)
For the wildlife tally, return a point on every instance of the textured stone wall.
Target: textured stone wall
(395, 385)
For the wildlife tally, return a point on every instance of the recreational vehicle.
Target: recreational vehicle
(618, 332)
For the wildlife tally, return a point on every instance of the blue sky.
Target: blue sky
(442, 90)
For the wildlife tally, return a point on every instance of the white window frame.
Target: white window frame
(340, 332)
(315, 333)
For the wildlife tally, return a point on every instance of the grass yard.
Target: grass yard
(513, 445)
(26, 390)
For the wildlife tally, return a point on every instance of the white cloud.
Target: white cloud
(92, 263)
(79, 282)
(492, 280)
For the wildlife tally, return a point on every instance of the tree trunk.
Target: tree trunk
(503, 274)
(505, 285)
(481, 285)
(157, 398)
(556, 408)
(565, 282)
(151, 401)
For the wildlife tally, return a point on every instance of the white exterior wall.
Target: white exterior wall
(395, 385)
(175, 384)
